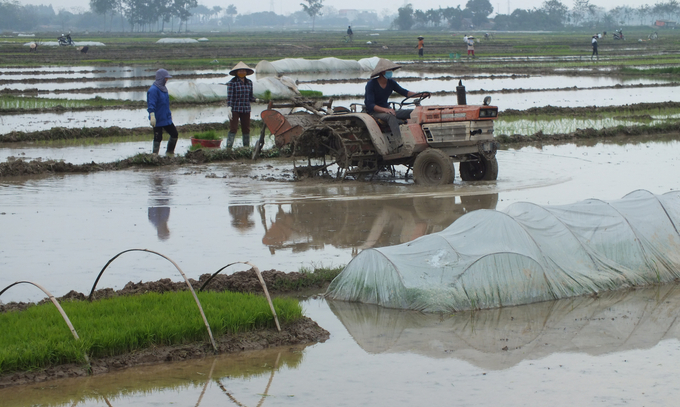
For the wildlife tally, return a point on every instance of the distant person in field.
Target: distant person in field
(239, 96)
(470, 41)
(421, 46)
(594, 44)
(350, 33)
(160, 117)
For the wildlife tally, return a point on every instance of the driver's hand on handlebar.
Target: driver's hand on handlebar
(426, 94)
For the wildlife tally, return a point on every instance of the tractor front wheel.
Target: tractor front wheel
(433, 167)
(483, 169)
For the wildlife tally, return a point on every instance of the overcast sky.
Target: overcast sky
(289, 6)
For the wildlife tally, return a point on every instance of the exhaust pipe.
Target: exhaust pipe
(460, 92)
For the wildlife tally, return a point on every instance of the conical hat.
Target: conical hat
(239, 66)
(382, 66)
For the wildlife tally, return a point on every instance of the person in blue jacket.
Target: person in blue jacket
(378, 91)
(158, 106)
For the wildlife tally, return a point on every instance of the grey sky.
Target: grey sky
(289, 6)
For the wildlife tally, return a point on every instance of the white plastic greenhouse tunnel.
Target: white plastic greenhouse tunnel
(299, 65)
(526, 253)
(176, 41)
(265, 88)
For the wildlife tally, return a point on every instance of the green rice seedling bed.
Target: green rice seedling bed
(38, 337)
(8, 102)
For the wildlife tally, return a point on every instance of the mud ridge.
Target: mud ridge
(124, 105)
(240, 281)
(148, 78)
(64, 133)
(590, 110)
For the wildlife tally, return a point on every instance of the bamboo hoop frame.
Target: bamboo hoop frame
(262, 283)
(54, 301)
(59, 308)
(198, 303)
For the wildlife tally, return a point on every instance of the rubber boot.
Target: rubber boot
(156, 147)
(246, 140)
(171, 146)
(230, 139)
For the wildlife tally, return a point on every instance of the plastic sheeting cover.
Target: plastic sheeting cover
(278, 88)
(524, 254)
(289, 65)
(176, 41)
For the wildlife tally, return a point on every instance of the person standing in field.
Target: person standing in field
(594, 44)
(350, 33)
(470, 41)
(239, 96)
(420, 46)
(160, 117)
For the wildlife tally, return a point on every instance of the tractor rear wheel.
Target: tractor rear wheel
(482, 169)
(433, 167)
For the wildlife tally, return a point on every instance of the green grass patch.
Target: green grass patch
(38, 337)
(311, 93)
(8, 102)
(674, 70)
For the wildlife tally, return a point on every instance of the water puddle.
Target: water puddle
(584, 350)
(123, 118)
(488, 84)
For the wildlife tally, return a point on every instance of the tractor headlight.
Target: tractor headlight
(488, 113)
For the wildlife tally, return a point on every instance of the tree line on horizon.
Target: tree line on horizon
(173, 15)
(552, 15)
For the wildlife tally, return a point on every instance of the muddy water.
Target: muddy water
(215, 114)
(212, 114)
(64, 228)
(99, 151)
(117, 117)
(617, 349)
(581, 95)
(488, 84)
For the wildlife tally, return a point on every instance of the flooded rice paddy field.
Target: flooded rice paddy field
(59, 231)
(614, 349)
(508, 91)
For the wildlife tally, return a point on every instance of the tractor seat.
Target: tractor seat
(384, 127)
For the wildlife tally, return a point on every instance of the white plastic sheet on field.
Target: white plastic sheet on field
(278, 88)
(289, 65)
(524, 254)
(176, 41)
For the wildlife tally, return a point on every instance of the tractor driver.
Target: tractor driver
(378, 90)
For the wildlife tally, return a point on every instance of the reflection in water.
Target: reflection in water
(361, 224)
(240, 217)
(503, 337)
(168, 383)
(159, 199)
